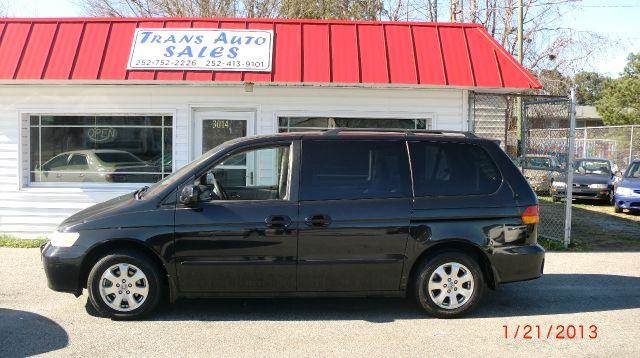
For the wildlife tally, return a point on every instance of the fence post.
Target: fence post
(631, 146)
(569, 179)
(522, 129)
(584, 142)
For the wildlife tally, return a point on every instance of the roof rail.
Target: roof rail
(334, 131)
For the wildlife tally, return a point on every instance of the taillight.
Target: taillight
(530, 215)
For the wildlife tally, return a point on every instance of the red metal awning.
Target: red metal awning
(305, 51)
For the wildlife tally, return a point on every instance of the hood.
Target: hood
(633, 183)
(588, 179)
(94, 217)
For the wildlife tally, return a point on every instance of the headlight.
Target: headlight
(624, 191)
(598, 186)
(559, 184)
(63, 239)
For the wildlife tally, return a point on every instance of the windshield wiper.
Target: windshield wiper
(140, 192)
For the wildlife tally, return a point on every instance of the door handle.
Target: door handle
(278, 221)
(318, 220)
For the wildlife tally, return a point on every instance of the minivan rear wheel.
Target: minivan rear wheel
(449, 284)
(124, 285)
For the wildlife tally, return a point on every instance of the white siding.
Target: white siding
(36, 210)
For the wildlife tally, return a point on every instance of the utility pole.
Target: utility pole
(519, 124)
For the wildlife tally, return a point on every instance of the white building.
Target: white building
(90, 110)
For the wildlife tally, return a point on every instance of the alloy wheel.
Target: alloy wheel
(451, 285)
(124, 287)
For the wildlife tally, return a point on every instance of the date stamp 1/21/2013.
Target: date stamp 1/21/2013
(551, 331)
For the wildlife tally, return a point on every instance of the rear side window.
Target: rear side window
(79, 160)
(443, 169)
(354, 170)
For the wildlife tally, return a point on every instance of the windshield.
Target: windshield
(597, 167)
(537, 162)
(633, 171)
(117, 157)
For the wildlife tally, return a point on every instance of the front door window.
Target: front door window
(231, 179)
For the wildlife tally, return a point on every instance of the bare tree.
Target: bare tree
(432, 10)
(3, 9)
(331, 9)
(154, 8)
(260, 8)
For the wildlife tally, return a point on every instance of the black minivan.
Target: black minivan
(434, 214)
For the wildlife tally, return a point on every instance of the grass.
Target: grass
(595, 226)
(555, 245)
(16, 242)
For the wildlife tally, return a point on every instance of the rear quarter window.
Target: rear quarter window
(452, 169)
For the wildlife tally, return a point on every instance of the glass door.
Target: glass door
(216, 127)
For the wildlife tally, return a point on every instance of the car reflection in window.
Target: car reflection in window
(98, 166)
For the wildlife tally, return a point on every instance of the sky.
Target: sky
(619, 20)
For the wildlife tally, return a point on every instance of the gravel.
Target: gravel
(601, 289)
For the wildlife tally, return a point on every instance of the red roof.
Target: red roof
(305, 51)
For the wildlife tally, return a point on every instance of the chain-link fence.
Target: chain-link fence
(541, 155)
(618, 144)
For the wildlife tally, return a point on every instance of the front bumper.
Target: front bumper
(584, 193)
(631, 202)
(540, 185)
(62, 267)
(517, 263)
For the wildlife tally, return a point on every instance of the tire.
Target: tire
(427, 296)
(617, 209)
(145, 292)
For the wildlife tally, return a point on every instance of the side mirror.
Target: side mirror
(189, 195)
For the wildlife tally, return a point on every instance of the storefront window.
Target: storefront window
(100, 149)
(298, 124)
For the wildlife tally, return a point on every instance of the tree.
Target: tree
(632, 69)
(554, 82)
(620, 99)
(161, 8)
(589, 87)
(3, 9)
(331, 9)
(260, 8)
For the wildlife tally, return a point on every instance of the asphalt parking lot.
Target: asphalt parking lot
(599, 289)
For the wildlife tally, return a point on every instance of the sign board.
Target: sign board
(201, 49)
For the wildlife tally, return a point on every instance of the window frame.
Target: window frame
(25, 182)
(349, 112)
(440, 142)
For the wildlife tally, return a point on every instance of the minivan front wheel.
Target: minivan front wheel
(449, 285)
(124, 285)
